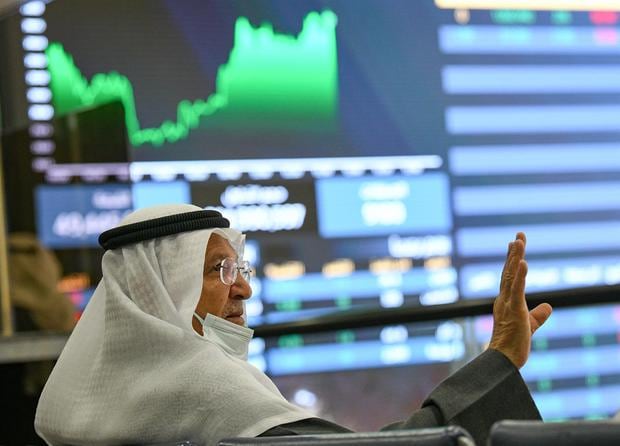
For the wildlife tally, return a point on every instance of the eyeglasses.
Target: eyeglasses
(229, 268)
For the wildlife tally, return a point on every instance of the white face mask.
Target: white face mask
(232, 338)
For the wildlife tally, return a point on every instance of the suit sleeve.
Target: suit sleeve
(488, 389)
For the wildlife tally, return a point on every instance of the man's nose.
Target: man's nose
(243, 288)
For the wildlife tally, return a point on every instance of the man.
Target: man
(160, 352)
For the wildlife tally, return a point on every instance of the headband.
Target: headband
(160, 227)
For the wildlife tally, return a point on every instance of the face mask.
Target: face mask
(233, 338)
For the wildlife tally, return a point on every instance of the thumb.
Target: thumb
(539, 316)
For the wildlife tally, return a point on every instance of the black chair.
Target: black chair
(443, 436)
(175, 443)
(569, 433)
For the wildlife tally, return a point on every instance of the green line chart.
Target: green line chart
(272, 80)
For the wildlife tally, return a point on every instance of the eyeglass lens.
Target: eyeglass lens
(229, 269)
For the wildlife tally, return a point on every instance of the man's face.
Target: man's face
(216, 298)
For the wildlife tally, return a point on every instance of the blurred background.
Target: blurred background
(379, 155)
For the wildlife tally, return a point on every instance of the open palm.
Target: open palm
(513, 323)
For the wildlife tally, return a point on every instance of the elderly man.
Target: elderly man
(160, 352)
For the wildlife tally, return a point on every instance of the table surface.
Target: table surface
(31, 346)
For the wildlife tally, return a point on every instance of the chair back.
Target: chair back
(444, 436)
(569, 433)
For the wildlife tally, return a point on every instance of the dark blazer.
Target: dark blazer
(488, 389)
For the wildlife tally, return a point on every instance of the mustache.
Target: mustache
(235, 311)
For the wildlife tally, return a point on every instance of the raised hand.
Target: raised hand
(513, 324)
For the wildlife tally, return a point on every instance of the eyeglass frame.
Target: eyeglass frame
(244, 267)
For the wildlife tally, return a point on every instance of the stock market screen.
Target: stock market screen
(377, 154)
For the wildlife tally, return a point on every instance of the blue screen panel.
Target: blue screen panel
(366, 206)
(75, 215)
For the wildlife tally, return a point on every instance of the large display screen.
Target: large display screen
(377, 154)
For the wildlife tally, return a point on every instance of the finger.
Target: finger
(517, 292)
(539, 316)
(512, 265)
(521, 236)
(502, 285)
